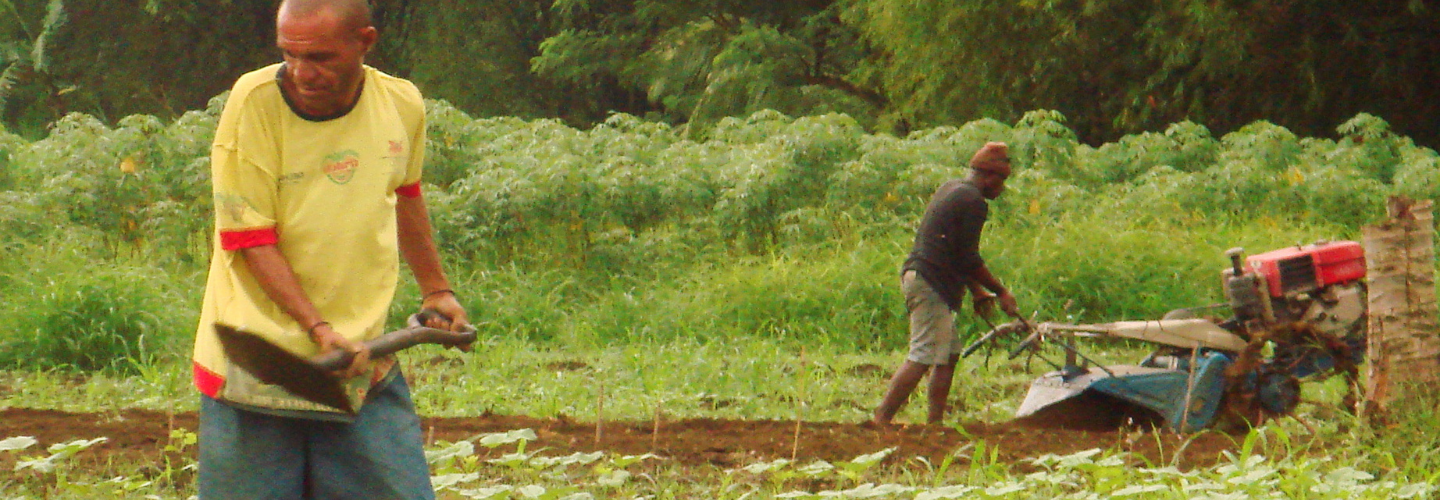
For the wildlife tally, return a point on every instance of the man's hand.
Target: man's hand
(984, 304)
(444, 302)
(448, 306)
(330, 340)
(1007, 304)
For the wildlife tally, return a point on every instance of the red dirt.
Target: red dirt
(139, 436)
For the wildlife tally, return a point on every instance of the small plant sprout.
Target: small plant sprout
(947, 492)
(627, 460)
(445, 459)
(1005, 488)
(577, 458)
(613, 479)
(17, 443)
(499, 492)
(512, 460)
(816, 469)
(59, 452)
(521, 436)
(445, 482)
(856, 467)
(764, 467)
(181, 439)
(1065, 462)
(1138, 489)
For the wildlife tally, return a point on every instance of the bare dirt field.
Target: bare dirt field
(140, 436)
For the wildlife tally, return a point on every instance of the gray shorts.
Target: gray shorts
(932, 325)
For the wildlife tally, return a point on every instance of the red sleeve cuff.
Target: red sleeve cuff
(235, 240)
(409, 190)
(208, 382)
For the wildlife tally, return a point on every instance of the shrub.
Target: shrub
(67, 312)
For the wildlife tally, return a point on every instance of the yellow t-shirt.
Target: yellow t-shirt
(324, 192)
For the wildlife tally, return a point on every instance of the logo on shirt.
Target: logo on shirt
(340, 167)
(396, 154)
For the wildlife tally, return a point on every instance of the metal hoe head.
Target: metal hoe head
(274, 365)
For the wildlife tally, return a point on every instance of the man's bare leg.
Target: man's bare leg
(939, 392)
(901, 385)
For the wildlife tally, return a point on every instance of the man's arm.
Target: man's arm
(417, 245)
(981, 275)
(278, 280)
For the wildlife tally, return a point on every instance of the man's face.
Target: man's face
(992, 184)
(323, 60)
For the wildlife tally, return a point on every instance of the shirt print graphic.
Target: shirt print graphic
(396, 154)
(340, 167)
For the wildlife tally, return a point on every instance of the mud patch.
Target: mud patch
(135, 436)
(1094, 412)
(139, 436)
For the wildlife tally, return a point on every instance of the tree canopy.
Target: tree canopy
(1110, 67)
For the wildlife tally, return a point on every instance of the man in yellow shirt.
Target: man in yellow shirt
(316, 168)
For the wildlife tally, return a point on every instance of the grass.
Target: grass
(813, 327)
(758, 379)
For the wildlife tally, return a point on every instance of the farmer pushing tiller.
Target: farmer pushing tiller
(316, 166)
(944, 262)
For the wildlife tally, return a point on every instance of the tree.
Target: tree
(1116, 66)
(699, 60)
(29, 90)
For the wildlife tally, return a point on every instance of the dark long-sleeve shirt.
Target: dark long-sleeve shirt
(947, 244)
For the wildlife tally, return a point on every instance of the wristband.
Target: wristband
(442, 290)
(311, 331)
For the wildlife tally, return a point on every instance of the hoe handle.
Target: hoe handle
(398, 340)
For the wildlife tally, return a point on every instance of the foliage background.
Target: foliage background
(774, 227)
(1114, 67)
(725, 183)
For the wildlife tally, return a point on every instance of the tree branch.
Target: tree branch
(868, 95)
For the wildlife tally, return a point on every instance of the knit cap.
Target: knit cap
(993, 157)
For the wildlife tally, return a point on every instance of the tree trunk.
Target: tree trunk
(1404, 344)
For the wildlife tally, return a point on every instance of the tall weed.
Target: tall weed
(66, 312)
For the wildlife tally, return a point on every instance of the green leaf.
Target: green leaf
(17, 443)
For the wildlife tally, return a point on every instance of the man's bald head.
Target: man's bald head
(324, 43)
(355, 13)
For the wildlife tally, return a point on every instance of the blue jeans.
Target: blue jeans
(254, 456)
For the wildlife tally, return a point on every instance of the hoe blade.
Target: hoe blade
(274, 365)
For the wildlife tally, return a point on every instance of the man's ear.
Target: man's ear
(368, 35)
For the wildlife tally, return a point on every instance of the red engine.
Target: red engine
(1321, 284)
(1308, 268)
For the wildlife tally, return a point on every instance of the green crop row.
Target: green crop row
(513, 190)
(771, 226)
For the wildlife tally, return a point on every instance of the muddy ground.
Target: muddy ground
(140, 436)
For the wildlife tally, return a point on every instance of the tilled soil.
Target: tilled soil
(140, 436)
